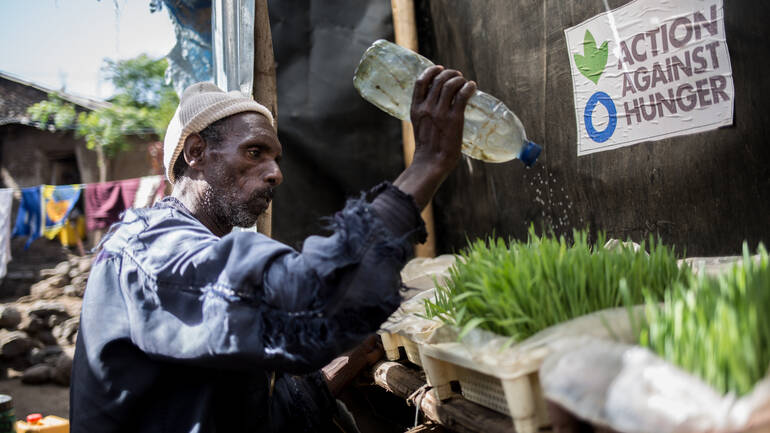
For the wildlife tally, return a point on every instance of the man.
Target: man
(189, 327)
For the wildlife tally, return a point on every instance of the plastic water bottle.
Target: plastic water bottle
(386, 76)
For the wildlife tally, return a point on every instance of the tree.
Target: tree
(142, 106)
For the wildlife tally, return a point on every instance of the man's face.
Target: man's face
(242, 170)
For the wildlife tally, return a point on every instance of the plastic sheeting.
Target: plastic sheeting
(335, 144)
(409, 321)
(190, 61)
(421, 273)
(630, 389)
(496, 355)
(418, 276)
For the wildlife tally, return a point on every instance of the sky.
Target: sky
(58, 43)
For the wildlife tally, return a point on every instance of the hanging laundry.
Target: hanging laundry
(74, 231)
(58, 201)
(106, 201)
(6, 202)
(28, 220)
(151, 188)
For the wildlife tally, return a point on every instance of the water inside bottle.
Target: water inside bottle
(386, 77)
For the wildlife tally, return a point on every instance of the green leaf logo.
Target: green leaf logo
(591, 64)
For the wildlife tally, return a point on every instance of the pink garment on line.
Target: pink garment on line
(106, 201)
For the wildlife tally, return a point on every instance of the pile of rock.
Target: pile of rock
(67, 278)
(31, 342)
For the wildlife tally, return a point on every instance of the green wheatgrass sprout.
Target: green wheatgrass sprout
(519, 288)
(716, 328)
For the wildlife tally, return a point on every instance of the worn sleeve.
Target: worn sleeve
(247, 301)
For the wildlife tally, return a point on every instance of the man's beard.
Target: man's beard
(226, 208)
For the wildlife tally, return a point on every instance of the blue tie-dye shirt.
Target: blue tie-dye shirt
(181, 329)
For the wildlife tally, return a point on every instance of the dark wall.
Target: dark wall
(32, 157)
(132, 163)
(335, 144)
(29, 153)
(705, 192)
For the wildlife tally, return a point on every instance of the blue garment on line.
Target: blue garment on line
(28, 220)
(57, 203)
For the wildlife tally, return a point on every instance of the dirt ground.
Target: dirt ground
(43, 399)
(23, 270)
(47, 399)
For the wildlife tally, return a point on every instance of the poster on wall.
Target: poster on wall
(650, 70)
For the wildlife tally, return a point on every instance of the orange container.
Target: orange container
(37, 423)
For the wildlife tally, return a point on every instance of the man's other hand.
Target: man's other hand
(342, 370)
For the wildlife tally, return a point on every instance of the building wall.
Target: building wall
(132, 163)
(706, 193)
(29, 155)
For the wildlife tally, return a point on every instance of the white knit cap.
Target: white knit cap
(201, 105)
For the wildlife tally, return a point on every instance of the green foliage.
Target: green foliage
(110, 127)
(716, 328)
(140, 80)
(521, 288)
(142, 106)
(54, 110)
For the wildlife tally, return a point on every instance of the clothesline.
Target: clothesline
(79, 185)
(44, 210)
(51, 127)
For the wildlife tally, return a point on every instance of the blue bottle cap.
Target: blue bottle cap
(529, 153)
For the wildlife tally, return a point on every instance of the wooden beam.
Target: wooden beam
(456, 414)
(396, 378)
(463, 416)
(404, 23)
(405, 28)
(265, 90)
(427, 428)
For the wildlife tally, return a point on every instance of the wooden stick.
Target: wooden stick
(404, 23)
(456, 414)
(396, 378)
(427, 428)
(406, 35)
(264, 85)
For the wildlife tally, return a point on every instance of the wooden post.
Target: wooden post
(406, 35)
(264, 85)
